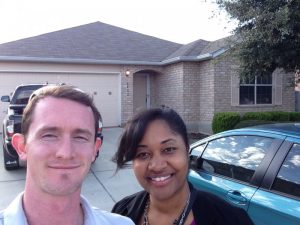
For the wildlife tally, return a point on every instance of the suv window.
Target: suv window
(288, 178)
(22, 94)
(22, 97)
(235, 157)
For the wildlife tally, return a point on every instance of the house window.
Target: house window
(256, 90)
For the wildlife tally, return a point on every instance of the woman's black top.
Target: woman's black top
(208, 209)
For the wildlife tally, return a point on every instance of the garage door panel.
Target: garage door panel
(104, 89)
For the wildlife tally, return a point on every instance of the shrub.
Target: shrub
(250, 123)
(280, 116)
(225, 121)
(257, 116)
(294, 116)
(230, 120)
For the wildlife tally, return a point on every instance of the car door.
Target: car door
(279, 196)
(232, 166)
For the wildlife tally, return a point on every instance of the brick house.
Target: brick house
(126, 71)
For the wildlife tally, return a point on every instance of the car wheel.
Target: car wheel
(10, 163)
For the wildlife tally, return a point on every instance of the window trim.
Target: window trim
(277, 87)
(256, 85)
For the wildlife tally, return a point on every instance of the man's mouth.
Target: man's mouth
(64, 167)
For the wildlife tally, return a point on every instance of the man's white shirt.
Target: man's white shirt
(14, 214)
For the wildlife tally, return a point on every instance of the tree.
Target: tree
(268, 34)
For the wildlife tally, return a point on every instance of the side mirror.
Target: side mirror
(5, 98)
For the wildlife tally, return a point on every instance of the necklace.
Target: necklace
(178, 221)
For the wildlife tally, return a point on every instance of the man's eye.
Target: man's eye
(49, 136)
(81, 138)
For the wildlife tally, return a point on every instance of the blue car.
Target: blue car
(256, 168)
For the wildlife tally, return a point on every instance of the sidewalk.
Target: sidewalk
(102, 187)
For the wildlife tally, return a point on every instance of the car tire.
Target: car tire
(7, 158)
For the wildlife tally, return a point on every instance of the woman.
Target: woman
(156, 142)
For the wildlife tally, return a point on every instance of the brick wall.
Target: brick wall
(191, 92)
(207, 94)
(224, 68)
(196, 90)
(169, 87)
(127, 89)
(188, 88)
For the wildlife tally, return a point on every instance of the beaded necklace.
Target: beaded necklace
(178, 221)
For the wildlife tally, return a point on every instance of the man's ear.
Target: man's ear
(18, 142)
(97, 147)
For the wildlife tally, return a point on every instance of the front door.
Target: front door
(140, 92)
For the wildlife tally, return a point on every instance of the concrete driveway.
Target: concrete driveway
(102, 187)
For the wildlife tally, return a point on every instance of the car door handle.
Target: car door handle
(236, 197)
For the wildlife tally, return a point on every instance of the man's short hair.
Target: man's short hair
(62, 92)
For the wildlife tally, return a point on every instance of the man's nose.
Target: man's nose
(65, 149)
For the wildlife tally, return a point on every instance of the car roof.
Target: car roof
(29, 86)
(280, 128)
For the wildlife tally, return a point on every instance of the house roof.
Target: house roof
(102, 43)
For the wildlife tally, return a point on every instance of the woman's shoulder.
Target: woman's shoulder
(131, 199)
(131, 205)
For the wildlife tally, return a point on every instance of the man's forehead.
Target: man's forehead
(52, 107)
(58, 129)
(60, 102)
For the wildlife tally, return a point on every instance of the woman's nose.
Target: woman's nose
(157, 163)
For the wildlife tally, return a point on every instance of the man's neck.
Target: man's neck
(51, 210)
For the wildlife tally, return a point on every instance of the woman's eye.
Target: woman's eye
(169, 149)
(142, 155)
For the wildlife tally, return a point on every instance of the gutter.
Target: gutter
(203, 57)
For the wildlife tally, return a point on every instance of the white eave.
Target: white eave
(202, 57)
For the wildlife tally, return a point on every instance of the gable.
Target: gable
(100, 43)
(95, 41)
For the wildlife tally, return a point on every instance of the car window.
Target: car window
(195, 154)
(235, 157)
(288, 177)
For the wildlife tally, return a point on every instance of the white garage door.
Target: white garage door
(105, 89)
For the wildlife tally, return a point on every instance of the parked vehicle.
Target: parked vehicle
(12, 121)
(257, 169)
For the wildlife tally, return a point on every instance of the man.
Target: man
(59, 142)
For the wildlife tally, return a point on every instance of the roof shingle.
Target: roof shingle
(100, 42)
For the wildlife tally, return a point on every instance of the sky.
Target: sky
(180, 21)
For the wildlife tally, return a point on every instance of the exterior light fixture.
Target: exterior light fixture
(127, 73)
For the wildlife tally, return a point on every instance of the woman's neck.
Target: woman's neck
(177, 201)
(168, 211)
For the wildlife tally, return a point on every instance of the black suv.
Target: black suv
(12, 121)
